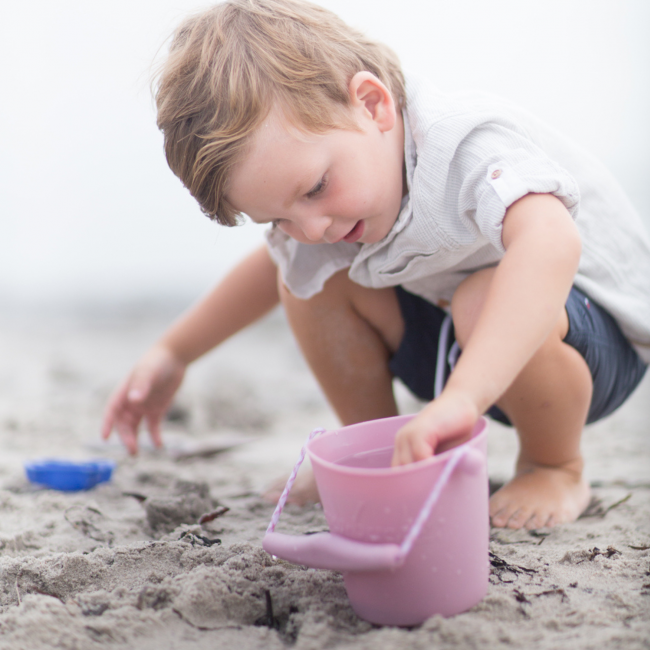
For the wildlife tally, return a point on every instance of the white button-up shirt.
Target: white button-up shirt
(468, 158)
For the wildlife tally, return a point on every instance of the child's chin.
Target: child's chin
(372, 238)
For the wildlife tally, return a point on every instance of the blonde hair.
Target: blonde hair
(229, 65)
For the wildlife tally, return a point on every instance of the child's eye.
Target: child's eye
(318, 188)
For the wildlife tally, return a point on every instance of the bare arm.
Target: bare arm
(247, 293)
(523, 304)
(530, 287)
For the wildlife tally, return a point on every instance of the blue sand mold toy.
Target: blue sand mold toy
(69, 475)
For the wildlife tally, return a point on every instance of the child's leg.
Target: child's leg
(548, 404)
(347, 334)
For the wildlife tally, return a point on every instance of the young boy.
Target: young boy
(407, 226)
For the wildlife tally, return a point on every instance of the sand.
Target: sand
(127, 565)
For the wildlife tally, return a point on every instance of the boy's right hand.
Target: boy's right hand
(146, 393)
(444, 423)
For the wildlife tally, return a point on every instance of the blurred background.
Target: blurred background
(90, 213)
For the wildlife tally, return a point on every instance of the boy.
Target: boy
(407, 226)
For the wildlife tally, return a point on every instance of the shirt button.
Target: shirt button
(496, 173)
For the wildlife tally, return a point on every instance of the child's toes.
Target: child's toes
(562, 516)
(500, 514)
(540, 519)
(519, 518)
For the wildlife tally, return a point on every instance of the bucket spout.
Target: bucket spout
(333, 552)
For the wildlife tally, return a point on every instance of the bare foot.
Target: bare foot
(539, 497)
(303, 491)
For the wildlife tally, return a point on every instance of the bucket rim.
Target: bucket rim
(480, 431)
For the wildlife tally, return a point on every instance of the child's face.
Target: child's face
(343, 185)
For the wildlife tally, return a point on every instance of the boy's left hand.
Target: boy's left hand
(442, 424)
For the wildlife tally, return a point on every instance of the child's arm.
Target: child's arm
(523, 304)
(248, 292)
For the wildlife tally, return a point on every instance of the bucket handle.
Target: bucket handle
(331, 551)
(290, 481)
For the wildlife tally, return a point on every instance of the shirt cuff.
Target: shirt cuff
(507, 181)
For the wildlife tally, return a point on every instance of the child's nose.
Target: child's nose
(314, 227)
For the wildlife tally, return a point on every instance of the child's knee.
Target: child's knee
(352, 305)
(467, 304)
(336, 289)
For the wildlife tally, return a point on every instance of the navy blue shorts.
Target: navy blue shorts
(428, 352)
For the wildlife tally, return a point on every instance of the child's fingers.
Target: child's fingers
(420, 450)
(153, 423)
(410, 446)
(127, 426)
(128, 392)
(112, 409)
(107, 424)
(129, 438)
(396, 460)
(401, 456)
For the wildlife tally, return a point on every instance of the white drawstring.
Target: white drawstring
(452, 357)
(443, 341)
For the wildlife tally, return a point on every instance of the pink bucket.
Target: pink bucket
(411, 541)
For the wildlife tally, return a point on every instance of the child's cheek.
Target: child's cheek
(294, 232)
(286, 228)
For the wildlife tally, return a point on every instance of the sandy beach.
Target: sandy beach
(127, 565)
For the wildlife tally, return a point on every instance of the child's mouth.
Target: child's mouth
(355, 234)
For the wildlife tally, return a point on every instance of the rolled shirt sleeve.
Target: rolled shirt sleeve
(492, 166)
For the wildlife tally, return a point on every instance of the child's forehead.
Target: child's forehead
(281, 122)
(277, 132)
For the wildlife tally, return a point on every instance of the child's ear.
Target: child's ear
(373, 100)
